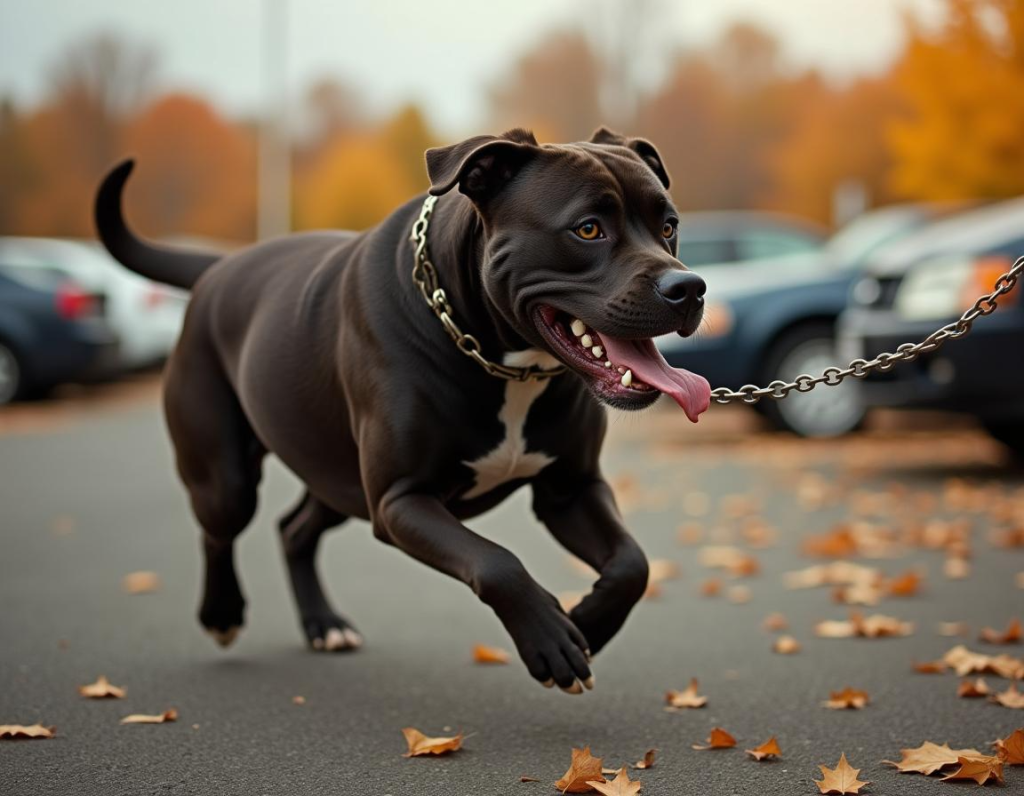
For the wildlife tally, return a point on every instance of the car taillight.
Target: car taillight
(983, 278)
(73, 302)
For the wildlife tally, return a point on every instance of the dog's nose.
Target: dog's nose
(683, 290)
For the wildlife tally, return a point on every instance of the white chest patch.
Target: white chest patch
(510, 461)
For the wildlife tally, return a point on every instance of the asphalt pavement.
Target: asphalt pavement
(93, 497)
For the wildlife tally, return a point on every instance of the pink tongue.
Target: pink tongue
(690, 391)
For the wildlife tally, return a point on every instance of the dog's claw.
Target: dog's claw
(575, 688)
(335, 639)
(225, 638)
(550, 683)
(589, 683)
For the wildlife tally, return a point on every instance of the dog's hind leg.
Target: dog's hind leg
(219, 459)
(300, 530)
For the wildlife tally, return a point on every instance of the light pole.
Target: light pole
(274, 190)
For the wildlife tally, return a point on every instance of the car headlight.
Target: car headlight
(944, 288)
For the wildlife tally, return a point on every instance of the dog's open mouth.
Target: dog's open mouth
(628, 374)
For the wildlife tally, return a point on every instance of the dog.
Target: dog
(417, 374)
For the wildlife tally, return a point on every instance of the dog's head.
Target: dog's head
(580, 256)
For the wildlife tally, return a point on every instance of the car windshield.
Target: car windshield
(855, 242)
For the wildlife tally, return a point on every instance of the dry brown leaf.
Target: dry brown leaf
(648, 761)
(101, 689)
(142, 718)
(975, 689)
(774, 623)
(1019, 580)
(980, 769)
(956, 568)
(906, 585)
(690, 534)
(141, 583)
(1012, 635)
(680, 700)
(584, 770)
(847, 699)
(485, 654)
(622, 785)
(858, 594)
(841, 779)
(718, 739)
(837, 573)
(525, 778)
(964, 661)
(661, 569)
(420, 744)
(930, 667)
(298, 700)
(930, 757)
(21, 732)
(1010, 698)
(711, 587)
(837, 543)
(954, 629)
(739, 595)
(786, 645)
(1011, 748)
(769, 748)
(874, 626)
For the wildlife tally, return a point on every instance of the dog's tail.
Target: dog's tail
(159, 263)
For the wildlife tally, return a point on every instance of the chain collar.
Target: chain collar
(425, 276)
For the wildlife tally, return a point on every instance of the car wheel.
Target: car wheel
(1008, 432)
(10, 375)
(826, 411)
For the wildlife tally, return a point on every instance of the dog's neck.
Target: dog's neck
(457, 241)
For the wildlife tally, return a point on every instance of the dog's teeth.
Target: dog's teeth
(578, 327)
(627, 378)
(586, 341)
(597, 351)
(608, 364)
(622, 370)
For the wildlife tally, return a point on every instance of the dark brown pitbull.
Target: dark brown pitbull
(416, 409)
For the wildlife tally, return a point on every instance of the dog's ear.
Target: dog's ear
(481, 165)
(645, 149)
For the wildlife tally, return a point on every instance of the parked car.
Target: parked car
(52, 330)
(146, 316)
(927, 281)
(735, 236)
(775, 319)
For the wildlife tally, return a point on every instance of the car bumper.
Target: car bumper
(981, 373)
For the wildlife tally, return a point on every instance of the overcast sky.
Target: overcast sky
(442, 53)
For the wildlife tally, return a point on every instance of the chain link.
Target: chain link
(859, 368)
(425, 276)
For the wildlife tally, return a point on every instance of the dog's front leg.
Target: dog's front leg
(551, 646)
(582, 515)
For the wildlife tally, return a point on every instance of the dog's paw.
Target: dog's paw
(224, 638)
(331, 634)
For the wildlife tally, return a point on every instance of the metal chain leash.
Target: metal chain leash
(859, 368)
(425, 276)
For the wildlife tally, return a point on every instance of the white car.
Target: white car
(146, 316)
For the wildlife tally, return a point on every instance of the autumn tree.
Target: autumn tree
(196, 173)
(964, 88)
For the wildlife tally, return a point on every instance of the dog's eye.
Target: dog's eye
(591, 230)
(668, 230)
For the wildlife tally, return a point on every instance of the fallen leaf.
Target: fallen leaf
(622, 785)
(739, 595)
(837, 543)
(1012, 635)
(141, 718)
(525, 778)
(690, 534)
(101, 689)
(711, 587)
(420, 744)
(1019, 580)
(954, 629)
(769, 748)
(930, 667)
(980, 769)
(735, 560)
(841, 779)
(837, 573)
(485, 654)
(648, 761)
(964, 661)
(141, 583)
(956, 568)
(718, 739)
(696, 504)
(680, 700)
(774, 623)
(930, 757)
(661, 569)
(584, 770)
(1011, 748)
(969, 689)
(874, 626)
(847, 699)
(858, 594)
(299, 700)
(906, 585)
(1010, 698)
(18, 732)
(786, 645)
